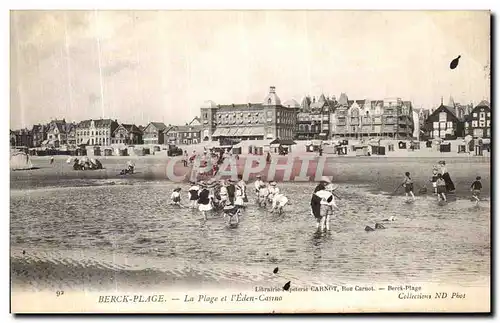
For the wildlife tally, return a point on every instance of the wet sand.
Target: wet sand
(383, 174)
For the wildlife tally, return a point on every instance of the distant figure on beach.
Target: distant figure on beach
(51, 159)
(204, 200)
(476, 188)
(193, 195)
(176, 197)
(268, 157)
(408, 185)
(441, 188)
(185, 158)
(130, 167)
(434, 178)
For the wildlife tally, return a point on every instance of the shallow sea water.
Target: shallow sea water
(109, 229)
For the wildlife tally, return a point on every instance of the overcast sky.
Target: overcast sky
(147, 66)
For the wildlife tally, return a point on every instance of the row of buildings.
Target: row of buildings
(104, 132)
(327, 118)
(314, 118)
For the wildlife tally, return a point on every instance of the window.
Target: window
(474, 123)
(474, 115)
(466, 125)
(442, 116)
(450, 124)
(481, 115)
(488, 133)
(478, 132)
(436, 133)
(435, 125)
(488, 114)
(481, 123)
(488, 123)
(442, 125)
(269, 101)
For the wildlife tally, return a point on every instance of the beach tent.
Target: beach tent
(20, 161)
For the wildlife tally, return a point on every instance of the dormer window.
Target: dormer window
(269, 101)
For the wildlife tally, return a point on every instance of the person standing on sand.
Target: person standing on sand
(476, 188)
(408, 185)
(51, 159)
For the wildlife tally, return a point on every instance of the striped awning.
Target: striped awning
(231, 132)
(221, 132)
(258, 131)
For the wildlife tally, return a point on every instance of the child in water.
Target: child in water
(434, 178)
(475, 188)
(176, 197)
(408, 185)
(441, 187)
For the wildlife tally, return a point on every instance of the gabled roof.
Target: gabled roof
(446, 109)
(160, 126)
(195, 119)
(132, 128)
(306, 102)
(483, 103)
(343, 100)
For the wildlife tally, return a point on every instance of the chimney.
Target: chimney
(272, 89)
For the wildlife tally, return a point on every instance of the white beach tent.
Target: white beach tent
(20, 161)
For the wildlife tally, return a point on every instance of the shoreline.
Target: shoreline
(381, 174)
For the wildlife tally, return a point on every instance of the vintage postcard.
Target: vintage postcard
(257, 161)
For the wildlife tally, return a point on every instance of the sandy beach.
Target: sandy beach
(381, 173)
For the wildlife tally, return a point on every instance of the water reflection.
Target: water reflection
(136, 219)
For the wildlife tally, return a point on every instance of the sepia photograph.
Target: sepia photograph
(250, 161)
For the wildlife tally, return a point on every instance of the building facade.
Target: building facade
(56, 134)
(71, 133)
(252, 121)
(39, 134)
(128, 134)
(478, 122)
(388, 118)
(443, 123)
(189, 133)
(95, 132)
(21, 137)
(153, 133)
(314, 118)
